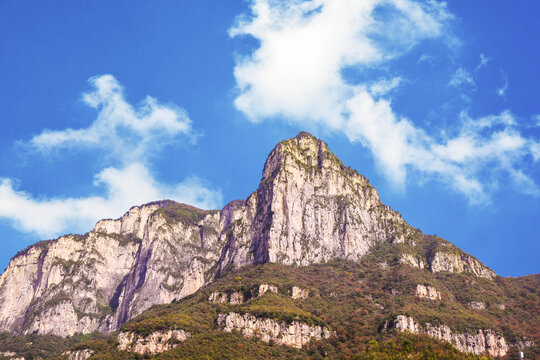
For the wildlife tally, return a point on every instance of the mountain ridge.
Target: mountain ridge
(309, 209)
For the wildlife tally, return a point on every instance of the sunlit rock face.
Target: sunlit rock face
(154, 343)
(98, 281)
(309, 208)
(482, 341)
(295, 334)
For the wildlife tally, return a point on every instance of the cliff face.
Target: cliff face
(309, 208)
(295, 334)
(483, 341)
(100, 280)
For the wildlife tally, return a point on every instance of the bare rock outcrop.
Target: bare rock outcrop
(477, 305)
(295, 334)
(156, 342)
(266, 288)
(412, 260)
(299, 293)
(427, 291)
(483, 341)
(237, 297)
(457, 262)
(83, 354)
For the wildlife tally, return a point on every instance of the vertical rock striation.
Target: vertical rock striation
(98, 281)
(309, 208)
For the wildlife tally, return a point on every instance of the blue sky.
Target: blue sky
(104, 105)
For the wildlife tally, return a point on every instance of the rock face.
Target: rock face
(459, 263)
(237, 297)
(412, 261)
(80, 354)
(295, 334)
(100, 280)
(483, 341)
(299, 293)
(156, 342)
(429, 292)
(477, 305)
(308, 208)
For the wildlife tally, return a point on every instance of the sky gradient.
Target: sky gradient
(105, 105)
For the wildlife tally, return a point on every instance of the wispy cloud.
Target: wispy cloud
(484, 61)
(426, 58)
(384, 86)
(129, 136)
(460, 77)
(297, 74)
(501, 91)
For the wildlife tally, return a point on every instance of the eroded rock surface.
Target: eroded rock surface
(156, 342)
(309, 208)
(429, 292)
(483, 341)
(80, 354)
(299, 293)
(477, 305)
(295, 334)
(237, 297)
(454, 262)
(98, 281)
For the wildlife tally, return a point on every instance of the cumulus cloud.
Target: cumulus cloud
(297, 74)
(128, 135)
(122, 189)
(305, 45)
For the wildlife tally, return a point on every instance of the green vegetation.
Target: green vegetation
(41, 346)
(354, 299)
(175, 212)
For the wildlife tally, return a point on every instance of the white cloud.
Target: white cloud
(426, 58)
(128, 136)
(484, 61)
(123, 188)
(384, 86)
(460, 77)
(305, 45)
(128, 133)
(297, 73)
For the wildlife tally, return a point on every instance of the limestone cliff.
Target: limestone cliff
(482, 341)
(295, 334)
(309, 208)
(154, 343)
(119, 269)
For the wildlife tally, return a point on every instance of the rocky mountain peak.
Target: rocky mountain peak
(309, 208)
(306, 152)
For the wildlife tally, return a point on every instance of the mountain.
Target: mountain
(311, 254)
